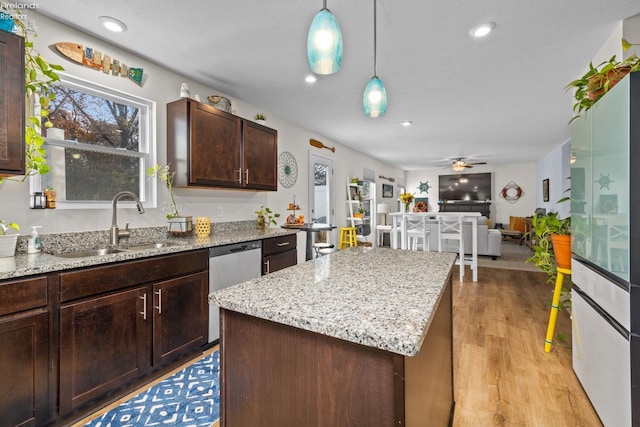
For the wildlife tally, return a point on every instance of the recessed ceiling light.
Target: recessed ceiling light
(407, 123)
(112, 24)
(310, 78)
(482, 30)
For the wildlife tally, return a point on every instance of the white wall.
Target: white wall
(523, 174)
(163, 86)
(555, 166)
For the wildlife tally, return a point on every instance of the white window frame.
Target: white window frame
(147, 144)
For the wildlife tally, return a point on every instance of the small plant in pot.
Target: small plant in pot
(178, 224)
(8, 241)
(265, 218)
(552, 247)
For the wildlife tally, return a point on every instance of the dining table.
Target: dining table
(399, 226)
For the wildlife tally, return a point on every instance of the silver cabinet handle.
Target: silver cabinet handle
(159, 306)
(246, 176)
(283, 244)
(144, 306)
(240, 176)
(266, 263)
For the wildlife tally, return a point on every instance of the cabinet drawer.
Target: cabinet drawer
(20, 295)
(279, 244)
(93, 281)
(272, 263)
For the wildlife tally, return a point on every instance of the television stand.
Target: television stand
(462, 206)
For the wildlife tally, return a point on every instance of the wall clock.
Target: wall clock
(287, 169)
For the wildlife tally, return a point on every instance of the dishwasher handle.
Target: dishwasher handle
(242, 248)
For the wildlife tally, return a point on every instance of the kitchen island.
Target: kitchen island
(362, 337)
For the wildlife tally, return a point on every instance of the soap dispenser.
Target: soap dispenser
(35, 243)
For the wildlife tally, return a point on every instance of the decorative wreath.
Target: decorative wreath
(420, 206)
(511, 192)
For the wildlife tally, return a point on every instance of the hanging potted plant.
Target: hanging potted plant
(40, 76)
(600, 79)
(552, 237)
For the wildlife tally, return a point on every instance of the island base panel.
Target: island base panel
(274, 374)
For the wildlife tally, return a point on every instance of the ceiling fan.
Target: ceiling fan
(458, 165)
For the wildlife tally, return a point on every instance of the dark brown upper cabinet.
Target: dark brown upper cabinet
(207, 147)
(12, 104)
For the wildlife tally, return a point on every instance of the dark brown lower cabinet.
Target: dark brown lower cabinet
(278, 253)
(122, 322)
(179, 316)
(103, 345)
(24, 358)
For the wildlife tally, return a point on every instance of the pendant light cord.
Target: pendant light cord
(375, 39)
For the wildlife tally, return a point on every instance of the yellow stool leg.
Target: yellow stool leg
(353, 240)
(555, 305)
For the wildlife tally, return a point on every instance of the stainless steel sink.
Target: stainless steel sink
(152, 246)
(90, 253)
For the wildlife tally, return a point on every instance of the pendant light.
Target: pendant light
(324, 43)
(374, 100)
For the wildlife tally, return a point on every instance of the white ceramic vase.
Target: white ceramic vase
(8, 245)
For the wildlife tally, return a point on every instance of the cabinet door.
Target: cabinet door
(260, 155)
(24, 359)
(180, 316)
(103, 344)
(215, 147)
(11, 104)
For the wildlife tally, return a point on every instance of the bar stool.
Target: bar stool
(555, 306)
(347, 237)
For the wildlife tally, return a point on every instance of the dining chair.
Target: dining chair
(416, 230)
(450, 229)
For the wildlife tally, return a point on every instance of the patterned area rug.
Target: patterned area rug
(189, 398)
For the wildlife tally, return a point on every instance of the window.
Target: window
(109, 143)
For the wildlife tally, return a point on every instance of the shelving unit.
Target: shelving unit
(355, 202)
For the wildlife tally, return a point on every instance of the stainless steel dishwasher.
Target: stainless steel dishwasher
(228, 266)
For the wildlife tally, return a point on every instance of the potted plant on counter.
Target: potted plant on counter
(552, 247)
(265, 218)
(178, 224)
(598, 80)
(8, 241)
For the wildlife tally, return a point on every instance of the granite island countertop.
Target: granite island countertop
(378, 297)
(23, 264)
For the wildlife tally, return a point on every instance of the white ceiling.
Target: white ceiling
(499, 100)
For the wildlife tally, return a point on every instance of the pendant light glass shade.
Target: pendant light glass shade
(324, 43)
(374, 100)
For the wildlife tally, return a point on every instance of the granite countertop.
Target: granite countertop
(381, 298)
(23, 264)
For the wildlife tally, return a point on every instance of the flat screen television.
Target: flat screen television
(465, 186)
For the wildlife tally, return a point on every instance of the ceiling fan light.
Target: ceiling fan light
(457, 167)
(324, 43)
(374, 100)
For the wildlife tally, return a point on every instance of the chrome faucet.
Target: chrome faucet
(115, 234)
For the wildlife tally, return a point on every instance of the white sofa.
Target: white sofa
(489, 240)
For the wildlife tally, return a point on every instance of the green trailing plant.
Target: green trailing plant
(40, 76)
(260, 116)
(542, 227)
(166, 175)
(598, 80)
(5, 227)
(268, 215)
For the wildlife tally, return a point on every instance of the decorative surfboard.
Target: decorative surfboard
(99, 61)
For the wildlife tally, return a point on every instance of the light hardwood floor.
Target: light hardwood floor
(502, 375)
